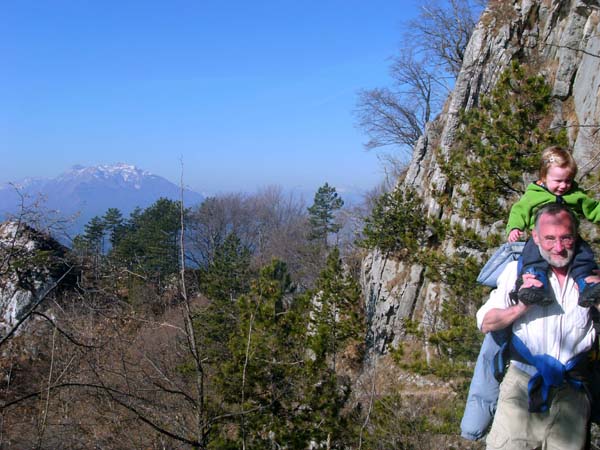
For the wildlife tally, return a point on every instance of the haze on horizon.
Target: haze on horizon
(241, 94)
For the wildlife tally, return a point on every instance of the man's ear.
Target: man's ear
(535, 236)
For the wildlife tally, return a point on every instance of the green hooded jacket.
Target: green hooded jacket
(522, 213)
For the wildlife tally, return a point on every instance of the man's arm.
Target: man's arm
(497, 319)
(499, 312)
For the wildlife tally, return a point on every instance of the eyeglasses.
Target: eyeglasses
(551, 241)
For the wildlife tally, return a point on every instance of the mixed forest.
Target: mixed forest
(185, 327)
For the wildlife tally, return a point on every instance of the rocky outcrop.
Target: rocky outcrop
(30, 265)
(558, 38)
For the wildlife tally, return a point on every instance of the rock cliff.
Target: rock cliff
(30, 264)
(560, 39)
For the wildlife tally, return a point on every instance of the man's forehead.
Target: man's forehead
(561, 219)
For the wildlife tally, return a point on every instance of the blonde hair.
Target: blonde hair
(558, 157)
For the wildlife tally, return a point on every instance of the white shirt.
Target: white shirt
(562, 329)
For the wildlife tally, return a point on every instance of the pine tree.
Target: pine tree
(228, 274)
(226, 278)
(94, 232)
(398, 224)
(322, 213)
(150, 243)
(267, 353)
(114, 224)
(290, 398)
(336, 313)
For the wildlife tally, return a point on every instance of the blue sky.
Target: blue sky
(245, 93)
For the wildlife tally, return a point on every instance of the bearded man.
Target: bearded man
(542, 402)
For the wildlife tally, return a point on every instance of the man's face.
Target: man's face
(555, 238)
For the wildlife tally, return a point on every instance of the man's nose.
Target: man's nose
(559, 246)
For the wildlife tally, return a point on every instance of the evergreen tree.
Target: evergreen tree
(228, 274)
(150, 243)
(265, 360)
(398, 224)
(223, 281)
(289, 398)
(336, 312)
(80, 246)
(94, 232)
(336, 325)
(322, 213)
(114, 225)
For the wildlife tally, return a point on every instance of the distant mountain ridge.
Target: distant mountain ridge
(86, 192)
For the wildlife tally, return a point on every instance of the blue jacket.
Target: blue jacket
(484, 389)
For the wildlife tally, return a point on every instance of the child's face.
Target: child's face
(558, 180)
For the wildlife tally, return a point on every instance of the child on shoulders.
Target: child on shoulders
(555, 184)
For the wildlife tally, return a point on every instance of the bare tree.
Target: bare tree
(212, 221)
(443, 29)
(422, 74)
(270, 223)
(397, 116)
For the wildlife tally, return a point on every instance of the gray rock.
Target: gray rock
(30, 264)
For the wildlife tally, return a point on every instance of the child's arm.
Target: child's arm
(591, 209)
(578, 200)
(518, 219)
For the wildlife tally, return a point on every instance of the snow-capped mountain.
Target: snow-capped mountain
(86, 192)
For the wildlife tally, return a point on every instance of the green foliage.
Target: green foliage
(289, 400)
(464, 236)
(499, 141)
(398, 223)
(457, 340)
(322, 213)
(227, 275)
(114, 225)
(149, 243)
(336, 313)
(413, 327)
(265, 358)
(80, 245)
(225, 278)
(93, 235)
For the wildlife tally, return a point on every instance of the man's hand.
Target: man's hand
(515, 234)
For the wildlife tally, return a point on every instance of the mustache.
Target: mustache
(560, 259)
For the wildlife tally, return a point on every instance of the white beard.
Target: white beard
(558, 261)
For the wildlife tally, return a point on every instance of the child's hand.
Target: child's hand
(529, 280)
(514, 235)
(594, 278)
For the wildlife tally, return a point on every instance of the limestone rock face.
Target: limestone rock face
(381, 277)
(30, 264)
(561, 40)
